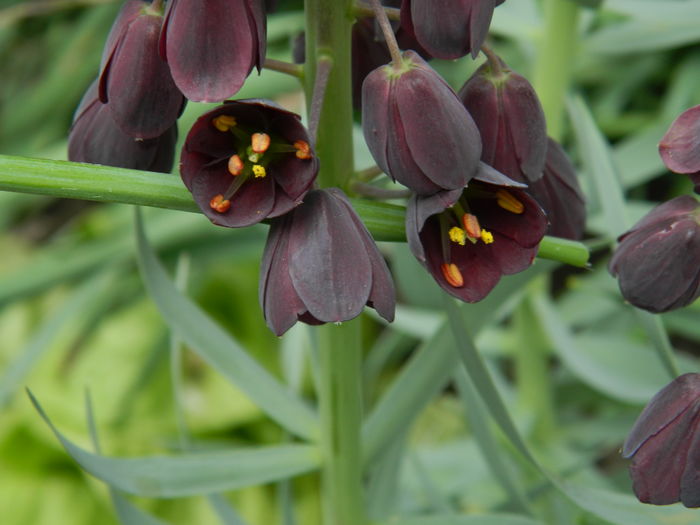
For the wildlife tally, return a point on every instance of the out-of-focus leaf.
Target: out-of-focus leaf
(192, 474)
(218, 348)
(492, 519)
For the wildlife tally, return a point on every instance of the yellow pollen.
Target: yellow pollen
(259, 171)
(260, 142)
(457, 235)
(486, 236)
(452, 274)
(506, 201)
(218, 203)
(235, 165)
(303, 149)
(224, 122)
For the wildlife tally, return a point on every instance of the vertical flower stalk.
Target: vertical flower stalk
(328, 37)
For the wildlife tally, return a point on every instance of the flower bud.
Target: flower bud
(449, 28)
(656, 262)
(134, 81)
(664, 445)
(680, 146)
(510, 119)
(320, 265)
(211, 47)
(417, 129)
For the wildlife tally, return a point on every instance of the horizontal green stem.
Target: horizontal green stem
(107, 184)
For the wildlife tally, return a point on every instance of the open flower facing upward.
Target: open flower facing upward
(510, 119)
(417, 129)
(135, 82)
(657, 263)
(212, 46)
(449, 28)
(468, 238)
(664, 445)
(96, 138)
(320, 265)
(247, 160)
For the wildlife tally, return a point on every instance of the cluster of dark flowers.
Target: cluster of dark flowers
(485, 177)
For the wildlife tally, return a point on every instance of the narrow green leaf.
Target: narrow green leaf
(224, 511)
(218, 348)
(192, 474)
(490, 519)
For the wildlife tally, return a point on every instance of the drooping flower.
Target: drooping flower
(510, 119)
(320, 265)
(417, 129)
(680, 146)
(664, 445)
(559, 194)
(212, 46)
(96, 138)
(135, 82)
(657, 263)
(246, 161)
(449, 28)
(468, 238)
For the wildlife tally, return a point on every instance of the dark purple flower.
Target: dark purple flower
(134, 82)
(468, 238)
(321, 265)
(510, 119)
(559, 194)
(657, 263)
(246, 161)
(680, 146)
(212, 46)
(664, 445)
(96, 138)
(449, 28)
(417, 129)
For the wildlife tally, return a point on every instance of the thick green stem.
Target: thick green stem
(328, 31)
(341, 419)
(552, 74)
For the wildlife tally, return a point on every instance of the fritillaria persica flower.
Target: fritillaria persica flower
(417, 129)
(510, 119)
(449, 28)
(321, 265)
(657, 263)
(96, 138)
(559, 194)
(680, 146)
(213, 45)
(468, 238)
(247, 160)
(135, 82)
(664, 445)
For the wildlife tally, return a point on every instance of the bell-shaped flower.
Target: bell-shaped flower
(212, 46)
(135, 82)
(96, 138)
(468, 238)
(664, 445)
(510, 119)
(559, 194)
(657, 263)
(417, 129)
(449, 28)
(320, 265)
(246, 161)
(680, 146)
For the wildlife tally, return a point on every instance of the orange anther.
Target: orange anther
(260, 142)
(303, 149)
(220, 204)
(452, 274)
(235, 165)
(506, 201)
(471, 225)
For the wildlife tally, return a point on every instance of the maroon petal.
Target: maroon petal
(332, 273)
(680, 146)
